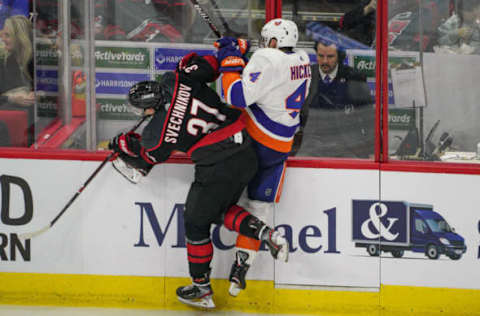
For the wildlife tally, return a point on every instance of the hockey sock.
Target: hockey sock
(200, 254)
(248, 245)
(239, 220)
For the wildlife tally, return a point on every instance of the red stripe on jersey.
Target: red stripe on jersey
(213, 62)
(219, 135)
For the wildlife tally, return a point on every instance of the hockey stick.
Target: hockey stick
(74, 197)
(206, 18)
(228, 30)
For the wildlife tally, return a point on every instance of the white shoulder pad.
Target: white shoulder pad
(271, 54)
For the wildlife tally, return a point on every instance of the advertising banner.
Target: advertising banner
(315, 213)
(168, 58)
(117, 83)
(444, 248)
(47, 80)
(113, 228)
(115, 109)
(341, 231)
(122, 57)
(364, 62)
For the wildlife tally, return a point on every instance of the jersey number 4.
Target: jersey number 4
(195, 124)
(295, 101)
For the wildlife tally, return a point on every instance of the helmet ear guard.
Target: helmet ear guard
(153, 94)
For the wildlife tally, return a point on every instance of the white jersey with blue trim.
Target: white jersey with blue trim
(273, 88)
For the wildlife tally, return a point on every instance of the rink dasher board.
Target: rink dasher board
(100, 237)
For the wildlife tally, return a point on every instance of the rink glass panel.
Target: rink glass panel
(341, 116)
(81, 99)
(433, 84)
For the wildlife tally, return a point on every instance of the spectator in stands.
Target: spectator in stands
(359, 23)
(408, 21)
(145, 21)
(16, 71)
(461, 32)
(339, 109)
(16, 67)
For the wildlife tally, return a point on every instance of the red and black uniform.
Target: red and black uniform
(198, 123)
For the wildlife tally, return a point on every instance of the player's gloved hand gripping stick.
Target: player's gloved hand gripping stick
(80, 190)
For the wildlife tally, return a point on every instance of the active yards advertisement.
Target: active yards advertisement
(341, 231)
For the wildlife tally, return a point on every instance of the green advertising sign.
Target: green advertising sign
(366, 64)
(115, 109)
(122, 57)
(401, 119)
(47, 106)
(47, 55)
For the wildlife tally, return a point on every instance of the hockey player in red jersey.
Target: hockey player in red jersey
(188, 116)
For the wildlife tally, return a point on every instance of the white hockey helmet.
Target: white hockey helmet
(285, 31)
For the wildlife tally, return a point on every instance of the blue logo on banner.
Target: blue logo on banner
(373, 220)
(117, 83)
(47, 80)
(371, 85)
(168, 58)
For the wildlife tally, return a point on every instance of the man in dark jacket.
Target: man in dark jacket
(339, 109)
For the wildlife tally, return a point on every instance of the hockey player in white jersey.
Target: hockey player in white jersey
(271, 88)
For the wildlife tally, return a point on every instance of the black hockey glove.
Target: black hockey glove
(126, 143)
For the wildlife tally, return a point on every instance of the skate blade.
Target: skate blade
(283, 253)
(234, 290)
(204, 302)
(131, 174)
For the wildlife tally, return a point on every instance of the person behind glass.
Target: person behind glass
(143, 20)
(359, 23)
(461, 32)
(17, 64)
(340, 119)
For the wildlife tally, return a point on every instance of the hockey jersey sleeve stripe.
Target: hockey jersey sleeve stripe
(269, 124)
(260, 136)
(232, 89)
(220, 134)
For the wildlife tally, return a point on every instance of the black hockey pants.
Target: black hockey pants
(215, 189)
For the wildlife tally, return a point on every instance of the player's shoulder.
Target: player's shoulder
(276, 55)
(269, 54)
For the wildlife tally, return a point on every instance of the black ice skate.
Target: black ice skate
(197, 295)
(238, 272)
